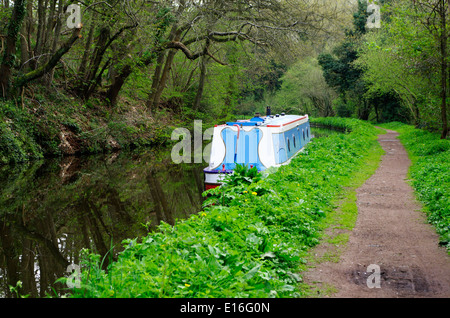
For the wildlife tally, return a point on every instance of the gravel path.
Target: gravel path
(392, 235)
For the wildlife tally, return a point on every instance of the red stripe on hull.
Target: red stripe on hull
(211, 186)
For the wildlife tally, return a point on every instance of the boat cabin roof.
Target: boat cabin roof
(269, 121)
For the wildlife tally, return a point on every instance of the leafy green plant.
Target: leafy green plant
(16, 290)
(234, 185)
(16, 135)
(243, 175)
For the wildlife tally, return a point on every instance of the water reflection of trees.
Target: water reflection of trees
(50, 210)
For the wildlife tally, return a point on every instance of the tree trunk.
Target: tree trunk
(10, 50)
(87, 50)
(201, 83)
(41, 13)
(58, 26)
(48, 30)
(163, 79)
(24, 56)
(117, 83)
(25, 39)
(364, 110)
(30, 28)
(44, 69)
(376, 112)
(160, 77)
(103, 43)
(96, 60)
(120, 77)
(155, 82)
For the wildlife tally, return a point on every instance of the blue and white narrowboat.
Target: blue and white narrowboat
(261, 142)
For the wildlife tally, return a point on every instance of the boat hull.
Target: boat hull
(214, 178)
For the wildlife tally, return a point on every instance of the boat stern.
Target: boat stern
(214, 177)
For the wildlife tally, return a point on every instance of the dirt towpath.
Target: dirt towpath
(392, 234)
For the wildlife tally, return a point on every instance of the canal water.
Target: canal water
(52, 209)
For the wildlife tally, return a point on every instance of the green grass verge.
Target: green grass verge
(429, 174)
(252, 242)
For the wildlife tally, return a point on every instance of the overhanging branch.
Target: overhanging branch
(44, 69)
(182, 47)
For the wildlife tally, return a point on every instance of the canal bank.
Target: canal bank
(48, 129)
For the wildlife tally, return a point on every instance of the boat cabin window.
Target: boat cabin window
(289, 145)
(293, 138)
(303, 134)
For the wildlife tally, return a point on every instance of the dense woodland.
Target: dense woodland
(140, 39)
(215, 59)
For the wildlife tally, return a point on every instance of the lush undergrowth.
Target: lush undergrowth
(430, 174)
(251, 237)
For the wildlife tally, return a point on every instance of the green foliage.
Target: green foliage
(250, 245)
(430, 173)
(338, 68)
(303, 90)
(340, 72)
(342, 109)
(268, 82)
(242, 175)
(234, 185)
(5, 14)
(384, 74)
(402, 60)
(16, 290)
(35, 130)
(16, 131)
(389, 107)
(15, 22)
(359, 19)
